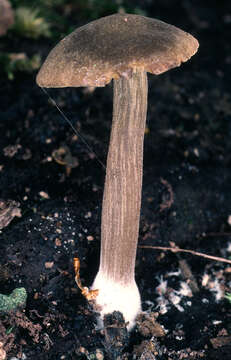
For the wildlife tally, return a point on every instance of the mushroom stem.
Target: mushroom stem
(122, 191)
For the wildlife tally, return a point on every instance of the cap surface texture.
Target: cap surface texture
(111, 47)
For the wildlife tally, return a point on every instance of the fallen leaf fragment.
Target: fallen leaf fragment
(8, 210)
(220, 341)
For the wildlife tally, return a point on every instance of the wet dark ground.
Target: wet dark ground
(186, 200)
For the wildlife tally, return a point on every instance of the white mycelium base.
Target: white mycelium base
(114, 296)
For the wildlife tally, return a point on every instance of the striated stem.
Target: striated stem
(122, 191)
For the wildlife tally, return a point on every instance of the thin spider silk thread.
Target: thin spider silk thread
(73, 128)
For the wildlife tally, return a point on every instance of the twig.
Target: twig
(87, 293)
(175, 250)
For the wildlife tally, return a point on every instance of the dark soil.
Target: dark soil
(186, 200)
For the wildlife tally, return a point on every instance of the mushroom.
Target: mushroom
(122, 47)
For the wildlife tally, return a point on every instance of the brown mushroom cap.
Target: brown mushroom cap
(111, 47)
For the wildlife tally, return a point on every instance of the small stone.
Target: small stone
(88, 215)
(44, 195)
(99, 354)
(58, 242)
(49, 264)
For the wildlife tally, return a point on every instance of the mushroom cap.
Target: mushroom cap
(112, 47)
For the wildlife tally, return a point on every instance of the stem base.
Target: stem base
(114, 296)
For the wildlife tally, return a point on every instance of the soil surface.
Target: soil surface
(56, 211)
